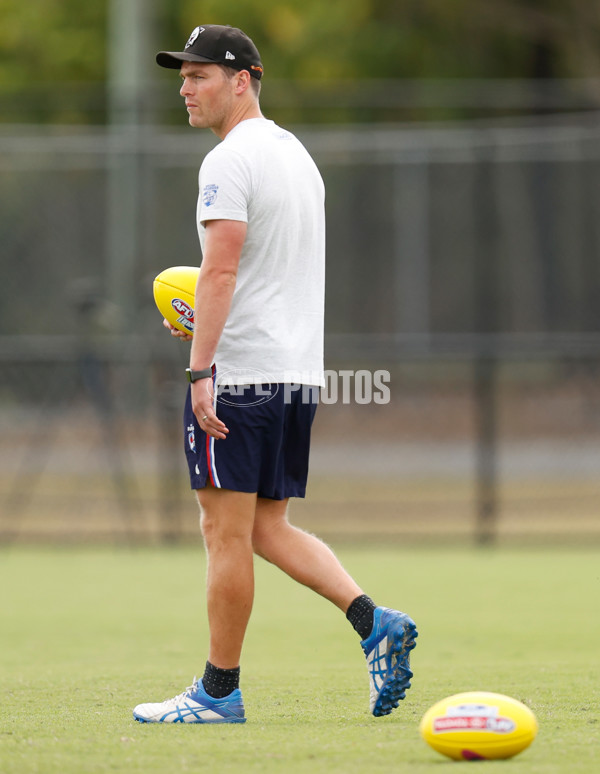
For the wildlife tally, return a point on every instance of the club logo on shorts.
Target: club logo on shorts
(191, 437)
(209, 194)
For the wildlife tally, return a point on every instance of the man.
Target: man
(256, 363)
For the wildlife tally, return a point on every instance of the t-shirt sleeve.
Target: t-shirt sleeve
(224, 187)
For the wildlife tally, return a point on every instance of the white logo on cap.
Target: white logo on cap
(229, 55)
(193, 36)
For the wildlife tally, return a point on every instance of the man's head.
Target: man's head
(221, 70)
(217, 44)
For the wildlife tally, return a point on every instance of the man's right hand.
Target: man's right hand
(203, 407)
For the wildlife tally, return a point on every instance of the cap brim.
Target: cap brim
(173, 59)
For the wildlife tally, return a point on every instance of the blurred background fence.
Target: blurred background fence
(463, 258)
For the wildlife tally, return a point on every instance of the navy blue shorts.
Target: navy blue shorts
(267, 448)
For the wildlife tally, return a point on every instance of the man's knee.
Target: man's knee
(261, 540)
(225, 515)
(269, 528)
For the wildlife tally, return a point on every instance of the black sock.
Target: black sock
(360, 615)
(220, 682)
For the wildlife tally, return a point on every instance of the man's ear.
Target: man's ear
(242, 81)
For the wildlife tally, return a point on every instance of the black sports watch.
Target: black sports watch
(194, 376)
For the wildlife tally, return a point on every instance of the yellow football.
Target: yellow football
(174, 295)
(478, 725)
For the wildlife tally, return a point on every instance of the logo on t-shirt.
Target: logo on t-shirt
(209, 194)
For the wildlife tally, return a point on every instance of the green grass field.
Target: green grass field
(88, 633)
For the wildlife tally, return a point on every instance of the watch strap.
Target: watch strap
(194, 376)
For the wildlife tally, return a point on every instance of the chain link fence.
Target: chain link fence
(463, 261)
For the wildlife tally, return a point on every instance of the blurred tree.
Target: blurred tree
(49, 49)
(310, 39)
(64, 42)
(43, 41)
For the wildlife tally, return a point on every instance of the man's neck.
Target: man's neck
(243, 114)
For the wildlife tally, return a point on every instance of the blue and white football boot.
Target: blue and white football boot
(387, 649)
(194, 705)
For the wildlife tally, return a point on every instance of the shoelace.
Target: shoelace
(190, 689)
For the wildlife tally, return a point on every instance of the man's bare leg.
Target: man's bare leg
(302, 556)
(227, 520)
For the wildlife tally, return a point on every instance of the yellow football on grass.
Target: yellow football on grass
(478, 726)
(174, 295)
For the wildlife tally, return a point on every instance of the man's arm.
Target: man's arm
(216, 282)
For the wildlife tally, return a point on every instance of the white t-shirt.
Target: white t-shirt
(262, 175)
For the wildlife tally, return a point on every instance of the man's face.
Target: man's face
(208, 95)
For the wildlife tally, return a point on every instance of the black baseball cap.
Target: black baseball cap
(217, 44)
